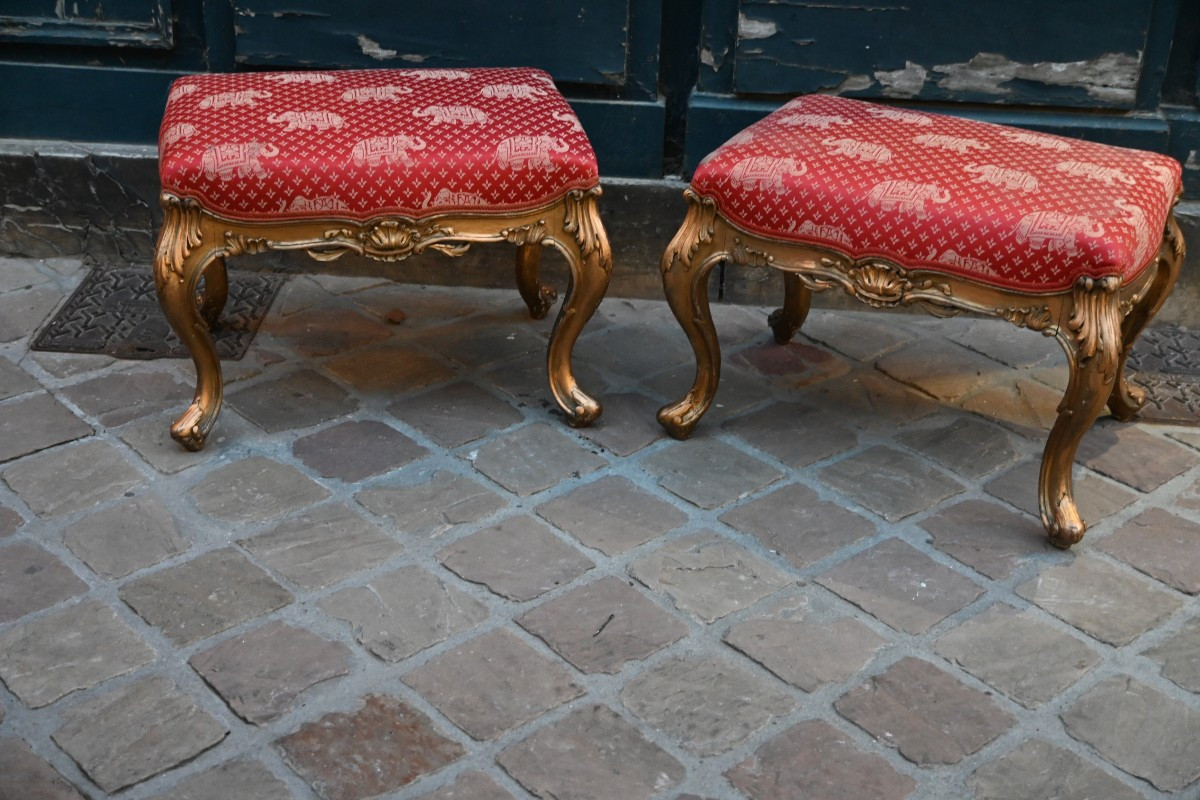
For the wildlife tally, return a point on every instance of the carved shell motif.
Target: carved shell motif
(878, 284)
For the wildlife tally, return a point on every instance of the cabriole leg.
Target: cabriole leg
(1126, 400)
(179, 261)
(1092, 339)
(590, 261)
(688, 260)
(537, 297)
(797, 298)
(216, 292)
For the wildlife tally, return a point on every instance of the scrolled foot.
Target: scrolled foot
(1126, 400)
(540, 305)
(1067, 527)
(680, 419)
(797, 298)
(191, 429)
(782, 326)
(583, 410)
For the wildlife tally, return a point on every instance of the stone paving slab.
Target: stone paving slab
(323, 546)
(1021, 655)
(519, 558)
(123, 538)
(139, 730)
(379, 747)
(708, 575)
(417, 600)
(202, 597)
(1102, 600)
(352, 451)
(815, 760)
(122, 397)
(803, 651)
(602, 626)
(403, 612)
(75, 648)
(924, 712)
(260, 673)
(1179, 656)
(255, 489)
(35, 423)
(792, 521)
(1040, 769)
(1139, 730)
(99, 472)
(611, 515)
(901, 586)
(707, 706)
(493, 683)
(25, 776)
(591, 754)
(232, 779)
(32, 578)
(433, 506)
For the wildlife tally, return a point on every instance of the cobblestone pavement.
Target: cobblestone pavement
(395, 572)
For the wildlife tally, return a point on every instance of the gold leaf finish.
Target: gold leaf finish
(193, 244)
(1096, 321)
(180, 233)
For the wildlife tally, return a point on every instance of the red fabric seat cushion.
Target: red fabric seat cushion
(366, 143)
(1002, 206)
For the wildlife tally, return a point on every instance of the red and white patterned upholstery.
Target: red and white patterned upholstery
(368, 143)
(1002, 206)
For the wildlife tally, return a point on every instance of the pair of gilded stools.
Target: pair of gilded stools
(1072, 239)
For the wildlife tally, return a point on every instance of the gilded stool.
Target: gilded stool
(1072, 239)
(379, 163)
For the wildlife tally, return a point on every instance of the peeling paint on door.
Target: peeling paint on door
(907, 82)
(749, 28)
(1111, 76)
(372, 48)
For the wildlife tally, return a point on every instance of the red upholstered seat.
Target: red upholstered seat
(1002, 206)
(368, 143)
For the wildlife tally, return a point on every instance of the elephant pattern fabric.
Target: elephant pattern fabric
(360, 144)
(1007, 207)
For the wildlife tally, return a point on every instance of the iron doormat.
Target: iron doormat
(1166, 362)
(115, 312)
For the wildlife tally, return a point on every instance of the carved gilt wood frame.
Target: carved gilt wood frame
(194, 243)
(1096, 321)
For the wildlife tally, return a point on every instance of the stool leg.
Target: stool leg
(216, 292)
(685, 283)
(537, 297)
(179, 262)
(797, 298)
(1126, 400)
(590, 260)
(1092, 340)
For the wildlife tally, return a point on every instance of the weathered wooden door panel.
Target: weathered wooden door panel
(1068, 53)
(123, 23)
(580, 42)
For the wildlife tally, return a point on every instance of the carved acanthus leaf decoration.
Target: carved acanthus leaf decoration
(237, 244)
(387, 240)
(1096, 314)
(748, 256)
(697, 230)
(1173, 238)
(1038, 318)
(533, 233)
(180, 233)
(582, 220)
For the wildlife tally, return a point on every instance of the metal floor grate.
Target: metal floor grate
(115, 312)
(1166, 362)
